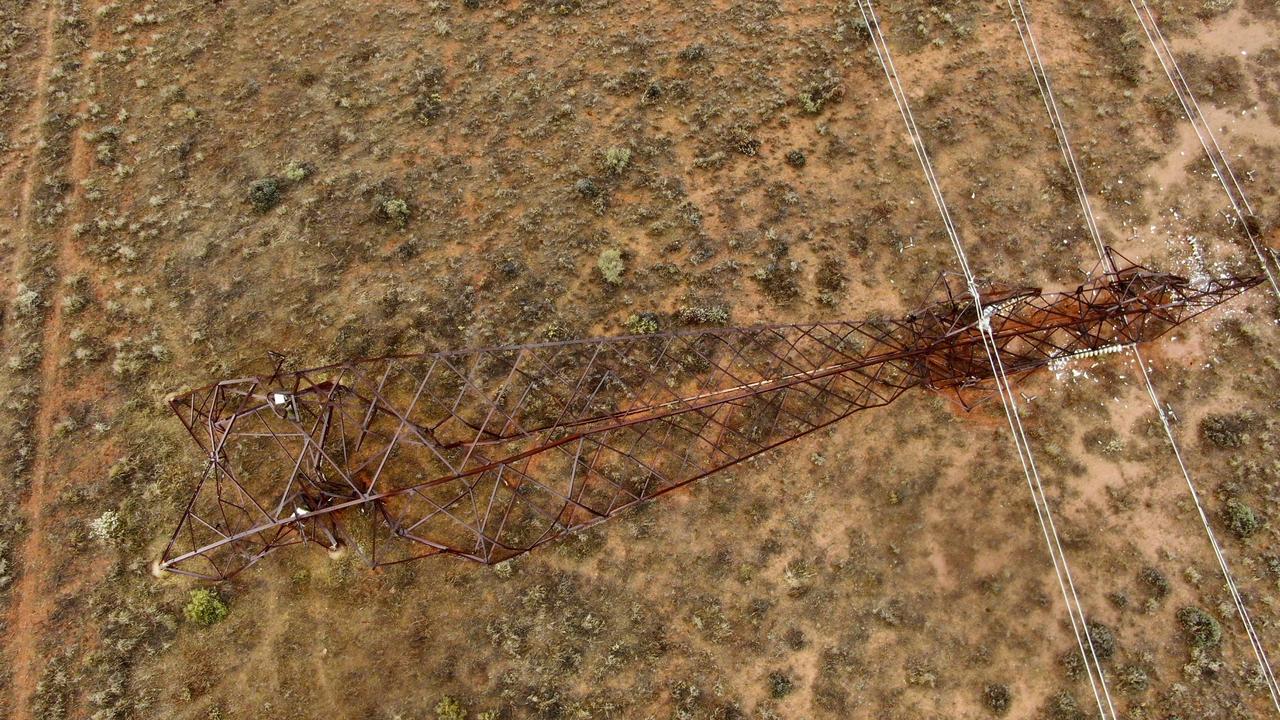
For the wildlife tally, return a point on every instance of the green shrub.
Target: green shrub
(1134, 679)
(921, 674)
(693, 53)
(831, 281)
(1255, 225)
(1104, 441)
(1063, 706)
(616, 159)
(395, 210)
(1155, 580)
(778, 280)
(780, 685)
(429, 106)
(28, 303)
(1201, 629)
(1102, 640)
(205, 608)
(1226, 431)
(642, 324)
(997, 697)
(450, 709)
(296, 172)
(265, 194)
(1072, 663)
(1241, 519)
(564, 7)
(704, 315)
(611, 265)
(813, 98)
(108, 527)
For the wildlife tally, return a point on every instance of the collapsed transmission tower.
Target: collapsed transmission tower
(488, 453)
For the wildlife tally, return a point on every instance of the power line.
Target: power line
(1075, 609)
(1023, 24)
(1204, 133)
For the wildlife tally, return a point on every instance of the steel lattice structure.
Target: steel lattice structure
(488, 453)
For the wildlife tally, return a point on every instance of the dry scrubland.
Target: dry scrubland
(188, 184)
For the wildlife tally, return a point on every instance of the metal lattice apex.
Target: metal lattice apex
(488, 453)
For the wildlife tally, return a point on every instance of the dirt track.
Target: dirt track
(28, 605)
(39, 586)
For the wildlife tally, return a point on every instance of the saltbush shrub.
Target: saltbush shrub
(205, 608)
(642, 324)
(1241, 519)
(1063, 706)
(1155, 580)
(450, 709)
(1226, 431)
(1102, 640)
(780, 685)
(395, 210)
(616, 159)
(264, 194)
(997, 697)
(611, 265)
(1201, 630)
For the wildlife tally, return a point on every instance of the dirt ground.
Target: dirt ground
(448, 174)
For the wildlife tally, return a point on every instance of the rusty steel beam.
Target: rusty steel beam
(488, 453)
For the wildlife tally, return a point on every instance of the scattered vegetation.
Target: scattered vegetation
(535, 135)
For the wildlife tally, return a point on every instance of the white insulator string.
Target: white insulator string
(1023, 23)
(1062, 571)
